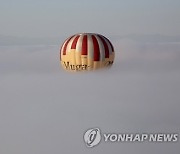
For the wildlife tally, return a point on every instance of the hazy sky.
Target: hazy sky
(44, 18)
(44, 109)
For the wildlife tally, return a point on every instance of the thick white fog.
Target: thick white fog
(44, 109)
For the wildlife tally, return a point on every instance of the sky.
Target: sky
(44, 109)
(44, 18)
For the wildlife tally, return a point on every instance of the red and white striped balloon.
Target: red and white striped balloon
(86, 51)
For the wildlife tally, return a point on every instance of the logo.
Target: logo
(92, 137)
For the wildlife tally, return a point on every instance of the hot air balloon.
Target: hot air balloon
(86, 51)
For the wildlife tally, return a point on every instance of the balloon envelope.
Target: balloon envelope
(86, 51)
